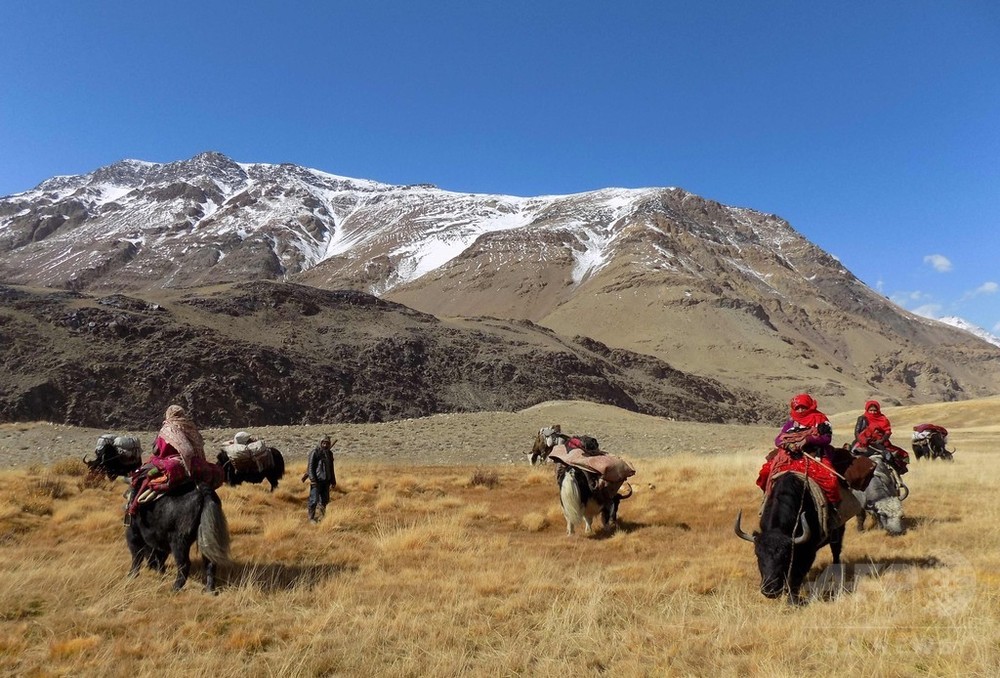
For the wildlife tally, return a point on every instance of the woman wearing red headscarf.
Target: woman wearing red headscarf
(803, 445)
(806, 420)
(871, 434)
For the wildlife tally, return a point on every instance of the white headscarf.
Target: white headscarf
(181, 433)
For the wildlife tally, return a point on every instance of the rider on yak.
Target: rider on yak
(803, 446)
(871, 435)
(178, 455)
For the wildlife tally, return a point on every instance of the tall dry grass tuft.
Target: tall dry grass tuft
(485, 478)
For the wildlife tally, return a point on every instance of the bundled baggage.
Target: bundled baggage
(247, 454)
(128, 448)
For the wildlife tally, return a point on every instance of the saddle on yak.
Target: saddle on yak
(608, 471)
(832, 515)
(161, 475)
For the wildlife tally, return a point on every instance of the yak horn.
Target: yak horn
(739, 530)
(85, 460)
(904, 491)
(626, 496)
(802, 538)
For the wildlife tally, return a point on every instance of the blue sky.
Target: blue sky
(873, 127)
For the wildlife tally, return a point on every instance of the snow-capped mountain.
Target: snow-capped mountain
(210, 219)
(974, 330)
(727, 292)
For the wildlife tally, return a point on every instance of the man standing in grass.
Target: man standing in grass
(321, 477)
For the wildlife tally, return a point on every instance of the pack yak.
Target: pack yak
(251, 463)
(115, 456)
(583, 497)
(547, 438)
(589, 483)
(930, 442)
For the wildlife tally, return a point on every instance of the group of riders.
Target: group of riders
(178, 458)
(804, 445)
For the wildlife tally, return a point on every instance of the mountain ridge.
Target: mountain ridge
(271, 353)
(730, 293)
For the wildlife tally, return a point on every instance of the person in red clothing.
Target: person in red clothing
(871, 435)
(803, 445)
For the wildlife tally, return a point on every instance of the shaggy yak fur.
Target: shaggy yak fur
(789, 537)
(170, 524)
(582, 497)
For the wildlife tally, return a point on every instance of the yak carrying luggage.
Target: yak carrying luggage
(587, 444)
(611, 470)
(249, 456)
(925, 431)
(115, 456)
(931, 440)
(129, 448)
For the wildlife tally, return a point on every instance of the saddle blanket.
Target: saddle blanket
(611, 469)
(848, 506)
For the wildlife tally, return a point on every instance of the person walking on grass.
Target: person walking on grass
(321, 477)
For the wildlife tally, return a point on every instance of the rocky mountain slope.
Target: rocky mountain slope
(732, 294)
(265, 353)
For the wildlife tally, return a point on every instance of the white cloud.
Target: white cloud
(985, 288)
(928, 311)
(907, 299)
(939, 262)
(996, 329)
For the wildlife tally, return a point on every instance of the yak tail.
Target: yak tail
(213, 531)
(569, 496)
(279, 464)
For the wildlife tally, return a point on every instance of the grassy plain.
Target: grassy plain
(466, 569)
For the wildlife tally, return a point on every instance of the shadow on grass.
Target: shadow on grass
(837, 580)
(910, 522)
(271, 577)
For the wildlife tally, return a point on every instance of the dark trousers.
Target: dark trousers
(319, 497)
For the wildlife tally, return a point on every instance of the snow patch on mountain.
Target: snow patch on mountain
(307, 217)
(975, 330)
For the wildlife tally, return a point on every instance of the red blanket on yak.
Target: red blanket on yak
(819, 471)
(162, 474)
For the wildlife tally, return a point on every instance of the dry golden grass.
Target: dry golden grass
(422, 571)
